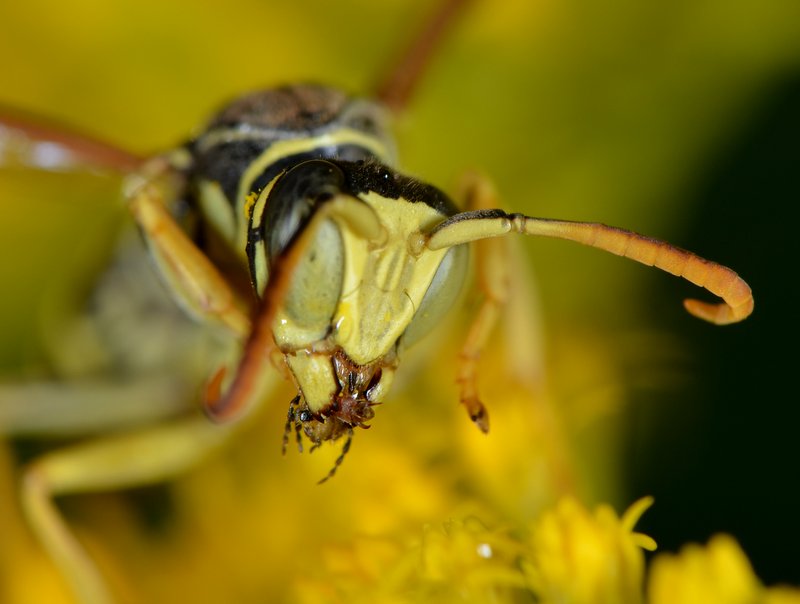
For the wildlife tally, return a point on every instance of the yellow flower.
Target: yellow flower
(588, 558)
(459, 560)
(572, 556)
(718, 573)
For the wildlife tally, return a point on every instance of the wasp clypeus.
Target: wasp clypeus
(286, 226)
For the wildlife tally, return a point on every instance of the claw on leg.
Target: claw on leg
(477, 412)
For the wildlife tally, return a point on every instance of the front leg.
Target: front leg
(196, 284)
(493, 282)
(147, 456)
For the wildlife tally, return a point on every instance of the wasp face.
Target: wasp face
(359, 294)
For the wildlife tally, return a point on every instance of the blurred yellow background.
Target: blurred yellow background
(577, 110)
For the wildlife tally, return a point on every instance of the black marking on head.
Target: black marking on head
(225, 163)
(302, 188)
(370, 175)
(334, 152)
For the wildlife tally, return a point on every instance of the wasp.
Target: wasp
(289, 237)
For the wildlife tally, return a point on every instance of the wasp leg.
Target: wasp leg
(196, 283)
(81, 408)
(144, 457)
(139, 456)
(493, 281)
(38, 143)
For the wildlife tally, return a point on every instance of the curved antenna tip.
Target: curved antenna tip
(719, 314)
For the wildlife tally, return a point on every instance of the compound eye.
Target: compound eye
(441, 295)
(317, 279)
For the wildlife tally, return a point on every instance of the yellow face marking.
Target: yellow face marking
(384, 286)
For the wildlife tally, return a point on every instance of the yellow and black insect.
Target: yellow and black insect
(286, 224)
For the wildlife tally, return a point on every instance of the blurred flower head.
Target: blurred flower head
(718, 572)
